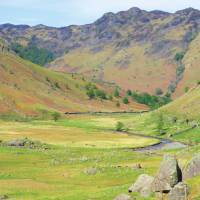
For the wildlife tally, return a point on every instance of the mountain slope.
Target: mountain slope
(26, 88)
(135, 49)
(186, 106)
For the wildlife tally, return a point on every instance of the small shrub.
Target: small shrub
(56, 116)
(90, 93)
(158, 91)
(179, 56)
(129, 92)
(119, 126)
(116, 93)
(186, 89)
(125, 100)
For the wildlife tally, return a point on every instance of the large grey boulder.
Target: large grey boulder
(123, 197)
(168, 176)
(142, 185)
(179, 192)
(192, 169)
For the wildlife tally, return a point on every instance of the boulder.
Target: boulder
(142, 185)
(179, 192)
(123, 197)
(3, 197)
(91, 171)
(16, 143)
(192, 169)
(168, 176)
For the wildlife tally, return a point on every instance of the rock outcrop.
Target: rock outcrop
(168, 176)
(142, 185)
(179, 192)
(192, 169)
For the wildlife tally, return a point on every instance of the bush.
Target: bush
(129, 92)
(150, 100)
(186, 89)
(100, 94)
(90, 93)
(56, 116)
(119, 126)
(125, 100)
(179, 56)
(158, 91)
(116, 93)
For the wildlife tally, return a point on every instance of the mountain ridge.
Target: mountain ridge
(138, 45)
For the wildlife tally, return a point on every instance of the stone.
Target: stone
(3, 197)
(168, 176)
(192, 169)
(123, 197)
(179, 192)
(16, 143)
(142, 185)
(91, 171)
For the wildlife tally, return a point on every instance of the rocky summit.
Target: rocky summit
(138, 45)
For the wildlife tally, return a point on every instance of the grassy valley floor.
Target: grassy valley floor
(85, 158)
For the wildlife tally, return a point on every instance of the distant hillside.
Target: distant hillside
(134, 49)
(26, 88)
(186, 106)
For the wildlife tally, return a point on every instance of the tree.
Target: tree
(129, 92)
(186, 89)
(56, 116)
(33, 53)
(119, 126)
(116, 93)
(179, 56)
(90, 93)
(100, 94)
(158, 91)
(125, 100)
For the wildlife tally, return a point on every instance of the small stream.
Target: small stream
(164, 144)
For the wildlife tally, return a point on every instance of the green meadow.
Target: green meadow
(84, 158)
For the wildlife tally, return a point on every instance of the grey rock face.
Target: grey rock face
(193, 168)
(142, 185)
(123, 197)
(179, 192)
(168, 176)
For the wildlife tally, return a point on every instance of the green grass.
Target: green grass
(79, 144)
(60, 172)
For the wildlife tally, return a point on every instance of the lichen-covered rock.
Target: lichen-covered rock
(192, 169)
(124, 197)
(168, 176)
(142, 185)
(179, 192)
